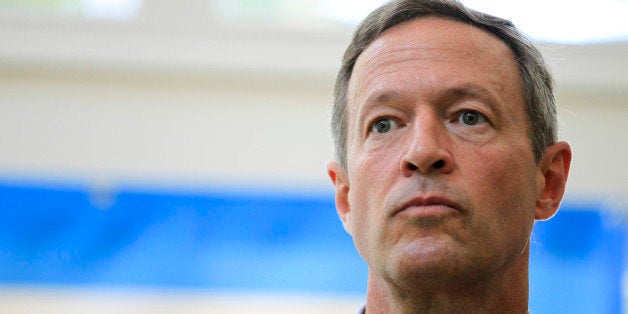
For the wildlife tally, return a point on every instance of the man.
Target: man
(445, 129)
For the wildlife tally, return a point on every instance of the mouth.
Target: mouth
(428, 206)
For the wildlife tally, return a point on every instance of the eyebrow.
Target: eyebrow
(471, 90)
(383, 97)
(379, 98)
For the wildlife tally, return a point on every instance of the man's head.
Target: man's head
(536, 80)
(438, 179)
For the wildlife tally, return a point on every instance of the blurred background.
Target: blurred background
(169, 156)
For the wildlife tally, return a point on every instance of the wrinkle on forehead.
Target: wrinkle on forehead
(386, 60)
(386, 57)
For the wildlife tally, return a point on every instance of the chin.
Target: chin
(429, 261)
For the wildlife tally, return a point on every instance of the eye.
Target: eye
(383, 125)
(471, 117)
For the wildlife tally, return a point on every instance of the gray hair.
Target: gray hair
(537, 81)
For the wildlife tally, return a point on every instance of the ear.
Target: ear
(341, 186)
(554, 167)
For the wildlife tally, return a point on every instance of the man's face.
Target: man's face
(441, 180)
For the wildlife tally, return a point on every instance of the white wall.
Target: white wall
(85, 126)
(108, 102)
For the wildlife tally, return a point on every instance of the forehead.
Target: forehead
(436, 49)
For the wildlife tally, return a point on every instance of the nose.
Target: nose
(427, 149)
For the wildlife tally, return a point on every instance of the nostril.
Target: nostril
(439, 164)
(412, 167)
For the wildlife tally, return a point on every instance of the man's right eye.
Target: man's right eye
(383, 125)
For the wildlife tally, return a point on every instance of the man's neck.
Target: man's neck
(504, 294)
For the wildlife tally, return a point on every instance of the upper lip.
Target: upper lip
(427, 201)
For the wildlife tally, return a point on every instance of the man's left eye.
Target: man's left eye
(383, 125)
(471, 117)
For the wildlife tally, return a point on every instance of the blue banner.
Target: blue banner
(261, 241)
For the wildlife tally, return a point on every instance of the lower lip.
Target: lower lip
(427, 211)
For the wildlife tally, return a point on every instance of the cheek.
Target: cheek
(505, 171)
(366, 184)
(370, 180)
(504, 189)
(373, 173)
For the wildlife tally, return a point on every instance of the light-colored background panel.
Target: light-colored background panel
(120, 127)
(54, 300)
(594, 124)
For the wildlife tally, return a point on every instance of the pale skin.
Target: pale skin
(442, 189)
